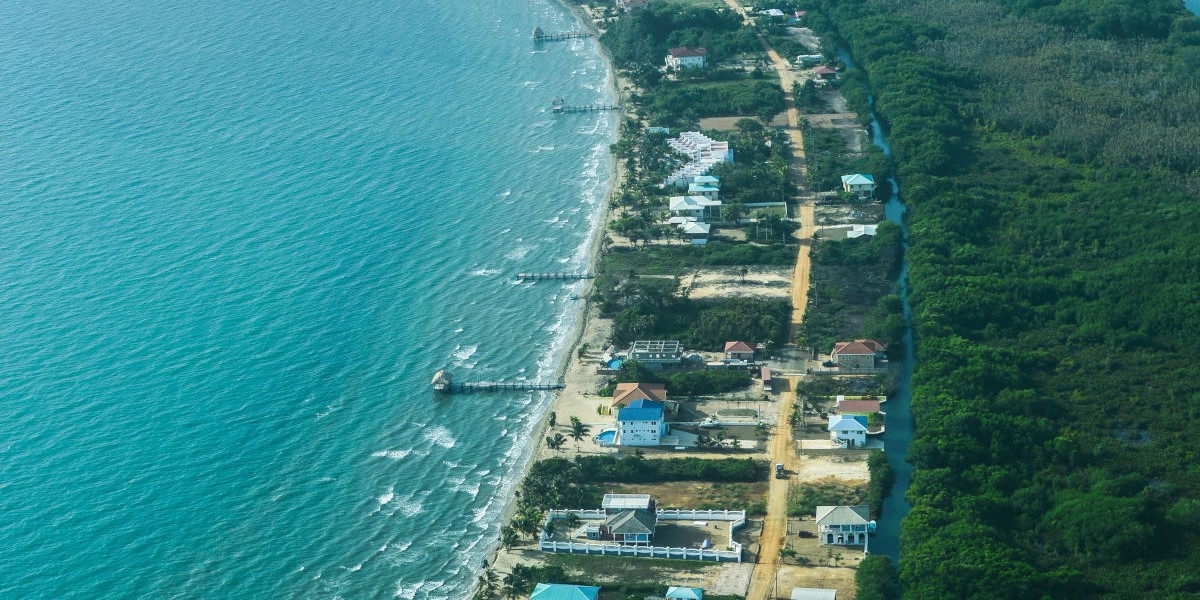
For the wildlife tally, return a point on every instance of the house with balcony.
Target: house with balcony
(844, 525)
(862, 185)
(642, 423)
(847, 431)
(686, 57)
(657, 354)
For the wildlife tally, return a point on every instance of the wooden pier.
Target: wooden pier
(560, 106)
(553, 276)
(444, 383)
(542, 36)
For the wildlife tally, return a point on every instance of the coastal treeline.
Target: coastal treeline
(1047, 151)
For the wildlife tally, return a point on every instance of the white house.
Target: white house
(657, 354)
(696, 233)
(700, 207)
(642, 423)
(813, 594)
(859, 184)
(843, 525)
(740, 350)
(686, 58)
(847, 431)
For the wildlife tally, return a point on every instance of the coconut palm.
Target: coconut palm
(578, 431)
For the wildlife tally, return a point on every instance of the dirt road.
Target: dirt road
(763, 581)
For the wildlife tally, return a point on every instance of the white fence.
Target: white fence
(736, 518)
(734, 555)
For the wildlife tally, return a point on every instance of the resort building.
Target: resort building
(657, 354)
(704, 154)
(625, 393)
(684, 593)
(686, 58)
(562, 591)
(847, 431)
(642, 423)
(860, 184)
(843, 525)
(859, 356)
(740, 350)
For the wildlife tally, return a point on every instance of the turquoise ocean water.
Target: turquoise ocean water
(236, 241)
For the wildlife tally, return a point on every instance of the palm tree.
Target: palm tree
(555, 442)
(554, 418)
(578, 431)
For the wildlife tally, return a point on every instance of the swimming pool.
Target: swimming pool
(615, 364)
(607, 436)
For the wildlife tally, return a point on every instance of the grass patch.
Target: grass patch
(804, 499)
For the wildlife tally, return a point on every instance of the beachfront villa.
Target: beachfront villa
(642, 423)
(629, 392)
(740, 350)
(562, 591)
(686, 57)
(700, 208)
(859, 356)
(861, 185)
(847, 431)
(632, 525)
(703, 152)
(657, 354)
(843, 525)
(684, 593)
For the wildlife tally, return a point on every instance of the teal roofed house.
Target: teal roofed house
(859, 184)
(703, 189)
(562, 591)
(684, 593)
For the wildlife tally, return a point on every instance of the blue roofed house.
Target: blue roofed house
(859, 184)
(706, 190)
(642, 423)
(562, 591)
(684, 593)
(847, 431)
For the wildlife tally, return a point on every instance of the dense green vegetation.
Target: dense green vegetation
(684, 383)
(880, 486)
(876, 579)
(848, 296)
(641, 39)
(1055, 282)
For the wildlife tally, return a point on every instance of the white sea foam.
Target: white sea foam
(485, 272)
(386, 496)
(441, 436)
(392, 454)
(462, 355)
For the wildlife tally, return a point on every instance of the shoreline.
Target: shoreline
(580, 326)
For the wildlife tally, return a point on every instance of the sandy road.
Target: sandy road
(763, 581)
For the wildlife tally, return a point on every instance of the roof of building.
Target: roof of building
(712, 180)
(665, 346)
(858, 406)
(687, 51)
(641, 410)
(845, 423)
(813, 594)
(631, 521)
(684, 593)
(562, 591)
(702, 187)
(845, 515)
(858, 348)
(858, 179)
(695, 228)
(626, 501)
(740, 347)
(825, 70)
(628, 392)
(690, 202)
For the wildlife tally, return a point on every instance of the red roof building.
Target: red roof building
(740, 350)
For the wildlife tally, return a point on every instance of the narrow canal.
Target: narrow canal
(899, 414)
